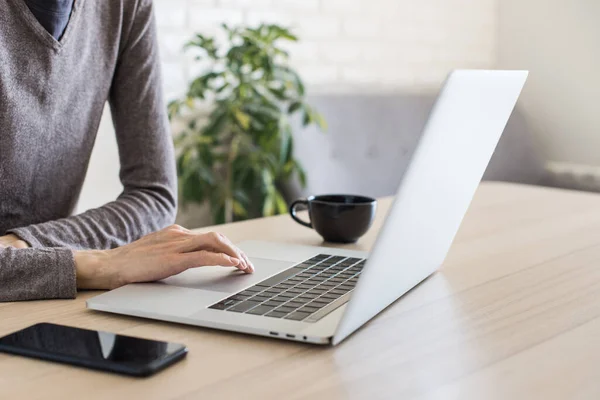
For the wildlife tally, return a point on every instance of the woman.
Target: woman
(60, 61)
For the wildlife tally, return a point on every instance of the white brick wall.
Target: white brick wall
(344, 43)
(365, 45)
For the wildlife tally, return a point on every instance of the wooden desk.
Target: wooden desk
(513, 313)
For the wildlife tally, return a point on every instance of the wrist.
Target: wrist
(94, 271)
(12, 240)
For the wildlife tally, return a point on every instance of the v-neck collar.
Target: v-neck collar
(41, 32)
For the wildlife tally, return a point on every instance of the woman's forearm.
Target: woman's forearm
(11, 240)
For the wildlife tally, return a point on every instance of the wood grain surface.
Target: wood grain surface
(512, 314)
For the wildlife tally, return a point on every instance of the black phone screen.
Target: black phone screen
(93, 349)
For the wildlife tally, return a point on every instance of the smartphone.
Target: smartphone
(93, 349)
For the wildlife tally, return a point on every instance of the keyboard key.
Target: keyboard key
(295, 304)
(316, 304)
(281, 298)
(244, 306)
(308, 309)
(260, 310)
(285, 308)
(304, 287)
(304, 265)
(295, 290)
(272, 303)
(276, 314)
(297, 316)
(260, 298)
(218, 306)
(252, 289)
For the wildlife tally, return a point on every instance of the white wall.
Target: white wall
(559, 42)
(349, 45)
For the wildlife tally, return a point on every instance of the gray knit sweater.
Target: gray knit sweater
(52, 94)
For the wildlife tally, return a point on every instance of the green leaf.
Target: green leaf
(189, 101)
(321, 122)
(217, 124)
(278, 93)
(295, 106)
(269, 205)
(241, 196)
(239, 209)
(301, 174)
(280, 204)
(288, 168)
(242, 118)
(306, 119)
(173, 108)
(286, 147)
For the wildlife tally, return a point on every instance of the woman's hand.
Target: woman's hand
(156, 256)
(11, 240)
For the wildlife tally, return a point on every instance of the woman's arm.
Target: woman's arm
(31, 274)
(149, 199)
(61, 259)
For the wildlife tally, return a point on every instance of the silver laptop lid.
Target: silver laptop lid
(457, 143)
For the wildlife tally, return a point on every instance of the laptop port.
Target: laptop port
(273, 333)
(290, 336)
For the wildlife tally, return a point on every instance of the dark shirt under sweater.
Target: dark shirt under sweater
(52, 14)
(52, 94)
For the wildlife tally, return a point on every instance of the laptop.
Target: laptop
(322, 295)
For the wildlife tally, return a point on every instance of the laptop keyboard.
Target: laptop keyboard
(306, 292)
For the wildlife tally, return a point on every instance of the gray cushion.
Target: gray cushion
(371, 139)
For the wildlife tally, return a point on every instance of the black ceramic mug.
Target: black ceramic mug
(338, 218)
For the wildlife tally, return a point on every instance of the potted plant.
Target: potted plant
(237, 158)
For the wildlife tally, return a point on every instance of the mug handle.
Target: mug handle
(293, 212)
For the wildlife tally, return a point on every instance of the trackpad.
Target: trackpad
(228, 280)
